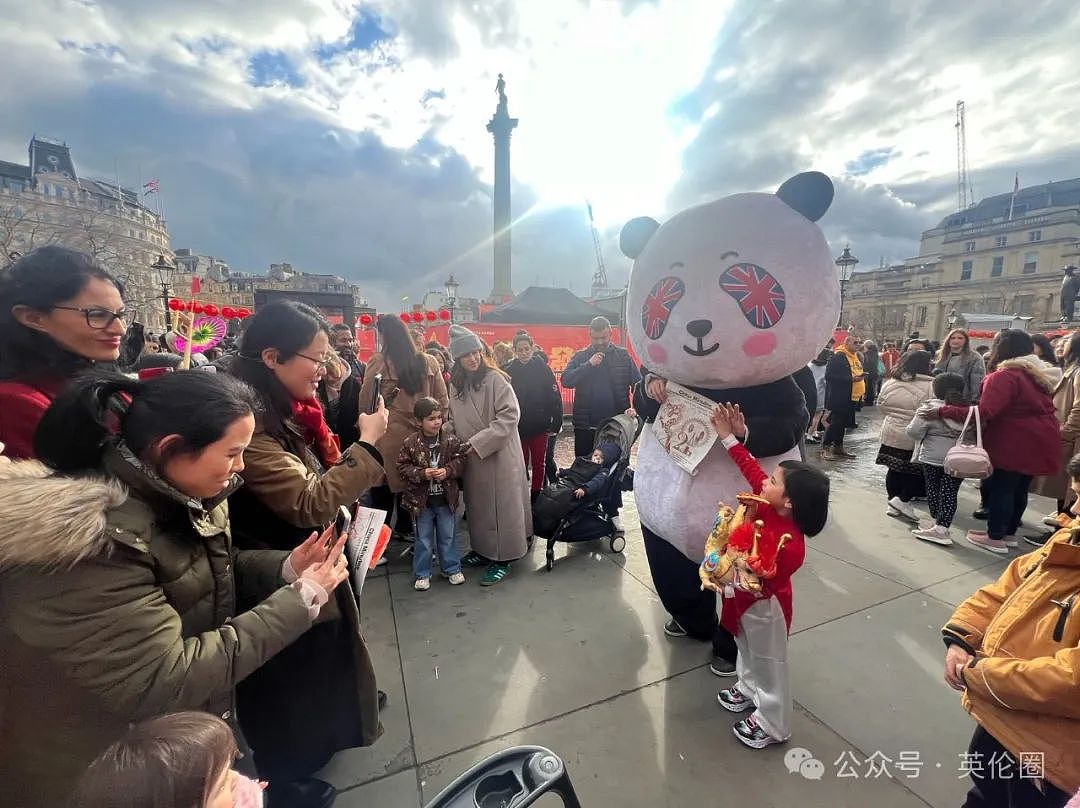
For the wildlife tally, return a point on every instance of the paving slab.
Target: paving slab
(956, 590)
(479, 662)
(396, 791)
(826, 588)
(394, 751)
(670, 744)
(875, 677)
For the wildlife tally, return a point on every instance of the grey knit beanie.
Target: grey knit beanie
(463, 341)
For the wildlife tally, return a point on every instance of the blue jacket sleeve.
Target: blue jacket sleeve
(577, 365)
(595, 483)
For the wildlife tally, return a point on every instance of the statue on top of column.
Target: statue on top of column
(500, 88)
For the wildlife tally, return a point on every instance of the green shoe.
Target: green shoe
(473, 559)
(495, 573)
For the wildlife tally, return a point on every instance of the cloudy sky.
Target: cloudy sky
(348, 137)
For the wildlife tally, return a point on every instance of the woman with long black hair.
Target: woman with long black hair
(407, 374)
(119, 584)
(60, 313)
(296, 479)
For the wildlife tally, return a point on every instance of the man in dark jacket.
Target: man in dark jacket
(1070, 287)
(602, 376)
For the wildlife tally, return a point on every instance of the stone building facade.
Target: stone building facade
(1002, 256)
(47, 202)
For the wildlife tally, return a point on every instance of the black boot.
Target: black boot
(306, 793)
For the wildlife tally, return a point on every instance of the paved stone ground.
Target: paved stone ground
(576, 660)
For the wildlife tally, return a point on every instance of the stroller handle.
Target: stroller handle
(513, 778)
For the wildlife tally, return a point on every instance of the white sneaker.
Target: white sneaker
(1051, 520)
(903, 508)
(422, 584)
(936, 534)
(457, 579)
(1012, 541)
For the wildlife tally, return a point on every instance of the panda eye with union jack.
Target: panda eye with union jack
(658, 306)
(759, 295)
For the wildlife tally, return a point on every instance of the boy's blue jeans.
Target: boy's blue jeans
(435, 524)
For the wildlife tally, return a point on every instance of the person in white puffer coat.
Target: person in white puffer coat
(907, 387)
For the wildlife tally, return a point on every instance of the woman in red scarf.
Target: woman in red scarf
(296, 478)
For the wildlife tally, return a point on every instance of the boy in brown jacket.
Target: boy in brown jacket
(1014, 652)
(431, 463)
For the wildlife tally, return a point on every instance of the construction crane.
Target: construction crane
(963, 186)
(599, 278)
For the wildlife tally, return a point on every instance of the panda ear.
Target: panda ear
(636, 234)
(810, 193)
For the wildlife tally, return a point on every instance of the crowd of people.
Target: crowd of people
(178, 623)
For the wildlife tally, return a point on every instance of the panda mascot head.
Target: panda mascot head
(736, 292)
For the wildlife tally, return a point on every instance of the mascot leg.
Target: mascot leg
(679, 588)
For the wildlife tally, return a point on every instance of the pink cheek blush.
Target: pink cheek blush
(759, 345)
(657, 353)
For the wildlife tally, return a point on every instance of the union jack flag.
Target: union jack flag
(659, 304)
(151, 187)
(759, 294)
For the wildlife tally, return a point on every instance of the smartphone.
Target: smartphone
(376, 391)
(342, 523)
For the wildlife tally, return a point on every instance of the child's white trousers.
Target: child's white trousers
(762, 666)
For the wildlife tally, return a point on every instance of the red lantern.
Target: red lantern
(188, 306)
(228, 312)
(405, 317)
(210, 310)
(365, 319)
(417, 317)
(197, 308)
(243, 313)
(444, 314)
(431, 316)
(175, 305)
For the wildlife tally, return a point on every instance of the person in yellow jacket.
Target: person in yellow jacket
(1014, 653)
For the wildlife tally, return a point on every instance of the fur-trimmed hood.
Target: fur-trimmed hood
(1042, 373)
(51, 520)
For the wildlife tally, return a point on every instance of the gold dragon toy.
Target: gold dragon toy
(738, 552)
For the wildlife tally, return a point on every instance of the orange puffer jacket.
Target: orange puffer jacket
(1024, 686)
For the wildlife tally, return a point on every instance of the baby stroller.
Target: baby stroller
(558, 516)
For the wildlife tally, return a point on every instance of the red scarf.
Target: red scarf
(309, 416)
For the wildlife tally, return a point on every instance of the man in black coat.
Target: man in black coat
(601, 376)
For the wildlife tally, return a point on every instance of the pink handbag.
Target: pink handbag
(966, 461)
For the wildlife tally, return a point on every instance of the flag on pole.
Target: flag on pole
(196, 285)
(150, 187)
(1016, 190)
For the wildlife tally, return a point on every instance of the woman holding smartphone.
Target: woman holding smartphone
(296, 479)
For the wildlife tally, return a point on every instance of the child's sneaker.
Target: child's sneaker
(733, 700)
(981, 539)
(1011, 541)
(936, 534)
(422, 584)
(750, 733)
(456, 579)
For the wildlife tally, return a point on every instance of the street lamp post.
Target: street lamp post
(163, 269)
(451, 289)
(845, 266)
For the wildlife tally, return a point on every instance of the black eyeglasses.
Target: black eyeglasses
(324, 363)
(100, 319)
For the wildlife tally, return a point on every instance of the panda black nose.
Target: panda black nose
(699, 328)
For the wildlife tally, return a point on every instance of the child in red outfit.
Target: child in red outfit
(756, 607)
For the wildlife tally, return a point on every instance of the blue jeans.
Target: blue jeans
(1006, 496)
(435, 524)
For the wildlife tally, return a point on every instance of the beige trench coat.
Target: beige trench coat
(401, 423)
(1067, 408)
(496, 490)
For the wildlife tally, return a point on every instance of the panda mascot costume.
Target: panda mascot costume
(727, 299)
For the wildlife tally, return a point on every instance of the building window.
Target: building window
(998, 267)
(1035, 235)
(969, 247)
(1000, 241)
(1031, 262)
(925, 283)
(965, 270)
(920, 316)
(1025, 305)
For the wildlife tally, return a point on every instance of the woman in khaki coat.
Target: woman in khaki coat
(1067, 407)
(407, 374)
(484, 413)
(296, 479)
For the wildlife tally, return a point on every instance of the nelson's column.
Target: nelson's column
(501, 125)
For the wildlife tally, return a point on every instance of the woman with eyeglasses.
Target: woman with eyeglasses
(296, 478)
(60, 314)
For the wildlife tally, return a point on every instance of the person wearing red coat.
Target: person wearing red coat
(60, 312)
(1020, 433)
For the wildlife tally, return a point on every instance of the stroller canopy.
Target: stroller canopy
(622, 430)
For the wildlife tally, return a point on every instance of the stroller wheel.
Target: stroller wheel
(550, 563)
(617, 543)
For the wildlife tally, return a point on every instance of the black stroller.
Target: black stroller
(558, 516)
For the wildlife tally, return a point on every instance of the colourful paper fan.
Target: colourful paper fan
(206, 333)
